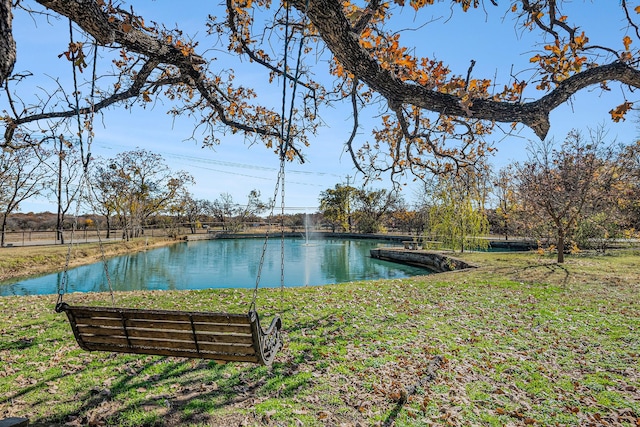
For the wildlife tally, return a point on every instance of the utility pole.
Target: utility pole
(349, 202)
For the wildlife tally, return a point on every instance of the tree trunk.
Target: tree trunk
(61, 234)
(7, 43)
(108, 219)
(3, 229)
(125, 228)
(560, 247)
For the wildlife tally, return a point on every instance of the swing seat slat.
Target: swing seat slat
(216, 336)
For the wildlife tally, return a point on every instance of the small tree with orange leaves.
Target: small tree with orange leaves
(558, 186)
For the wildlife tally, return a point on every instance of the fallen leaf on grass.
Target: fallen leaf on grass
(323, 415)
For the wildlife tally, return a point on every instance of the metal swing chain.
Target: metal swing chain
(90, 191)
(284, 146)
(252, 306)
(84, 180)
(282, 240)
(62, 287)
(103, 256)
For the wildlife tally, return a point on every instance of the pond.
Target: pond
(225, 263)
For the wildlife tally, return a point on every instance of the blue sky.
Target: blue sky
(236, 168)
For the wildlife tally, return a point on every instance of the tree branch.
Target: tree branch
(88, 15)
(132, 92)
(354, 129)
(232, 17)
(329, 20)
(108, 29)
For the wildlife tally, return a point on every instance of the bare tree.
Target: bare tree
(136, 185)
(189, 209)
(21, 177)
(65, 165)
(233, 215)
(254, 207)
(630, 160)
(102, 197)
(223, 210)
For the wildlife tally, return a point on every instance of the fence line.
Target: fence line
(50, 237)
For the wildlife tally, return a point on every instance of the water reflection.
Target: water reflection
(224, 264)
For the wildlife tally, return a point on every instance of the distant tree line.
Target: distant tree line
(582, 193)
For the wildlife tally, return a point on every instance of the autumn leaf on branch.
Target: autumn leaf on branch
(619, 113)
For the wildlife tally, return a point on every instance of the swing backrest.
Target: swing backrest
(218, 336)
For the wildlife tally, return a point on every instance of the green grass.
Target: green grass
(524, 342)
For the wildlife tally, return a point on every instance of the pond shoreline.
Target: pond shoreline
(224, 263)
(24, 262)
(17, 263)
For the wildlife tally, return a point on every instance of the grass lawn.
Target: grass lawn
(519, 341)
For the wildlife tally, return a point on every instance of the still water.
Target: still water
(224, 264)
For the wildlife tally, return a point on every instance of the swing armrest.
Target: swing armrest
(61, 306)
(276, 325)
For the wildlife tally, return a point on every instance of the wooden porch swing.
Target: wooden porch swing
(224, 337)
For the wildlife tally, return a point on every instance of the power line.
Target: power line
(232, 164)
(250, 176)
